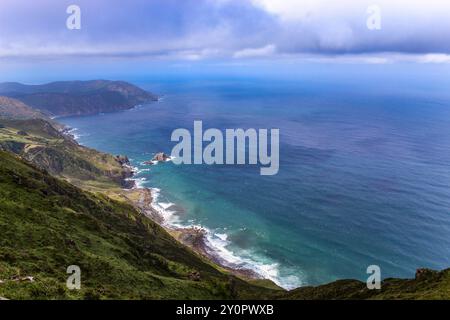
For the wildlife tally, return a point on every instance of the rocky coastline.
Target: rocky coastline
(193, 237)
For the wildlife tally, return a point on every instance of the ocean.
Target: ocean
(364, 174)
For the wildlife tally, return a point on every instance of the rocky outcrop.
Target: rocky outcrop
(123, 160)
(160, 156)
(125, 175)
(193, 237)
(141, 199)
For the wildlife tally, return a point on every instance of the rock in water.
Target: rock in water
(160, 156)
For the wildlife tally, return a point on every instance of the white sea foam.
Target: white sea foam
(139, 182)
(167, 160)
(74, 132)
(222, 236)
(218, 245)
(170, 219)
(136, 107)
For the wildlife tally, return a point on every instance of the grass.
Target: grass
(47, 224)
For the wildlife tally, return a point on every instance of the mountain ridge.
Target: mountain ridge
(68, 98)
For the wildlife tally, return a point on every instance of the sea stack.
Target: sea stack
(160, 156)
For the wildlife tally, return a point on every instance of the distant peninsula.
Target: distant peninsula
(70, 98)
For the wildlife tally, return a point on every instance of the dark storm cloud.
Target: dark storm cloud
(202, 29)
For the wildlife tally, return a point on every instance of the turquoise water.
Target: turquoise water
(364, 172)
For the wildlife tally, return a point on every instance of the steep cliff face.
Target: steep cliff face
(78, 97)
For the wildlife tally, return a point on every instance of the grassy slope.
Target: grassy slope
(434, 285)
(47, 224)
(49, 149)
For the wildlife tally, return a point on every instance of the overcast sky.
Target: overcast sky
(226, 30)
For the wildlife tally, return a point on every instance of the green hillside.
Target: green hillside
(47, 224)
(428, 285)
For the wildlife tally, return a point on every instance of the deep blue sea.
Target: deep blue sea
(364, 173)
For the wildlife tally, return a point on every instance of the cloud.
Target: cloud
(435, 58)
(265, 51)
(225, 29)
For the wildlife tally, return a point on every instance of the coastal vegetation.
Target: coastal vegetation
(64, 204)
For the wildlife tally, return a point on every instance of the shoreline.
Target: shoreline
(200, 239)
(191, 236)
(144, 201)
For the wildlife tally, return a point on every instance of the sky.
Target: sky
(186, 33)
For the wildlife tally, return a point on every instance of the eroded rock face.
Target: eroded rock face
(193, 237)
(125, 175)
(128, 184)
